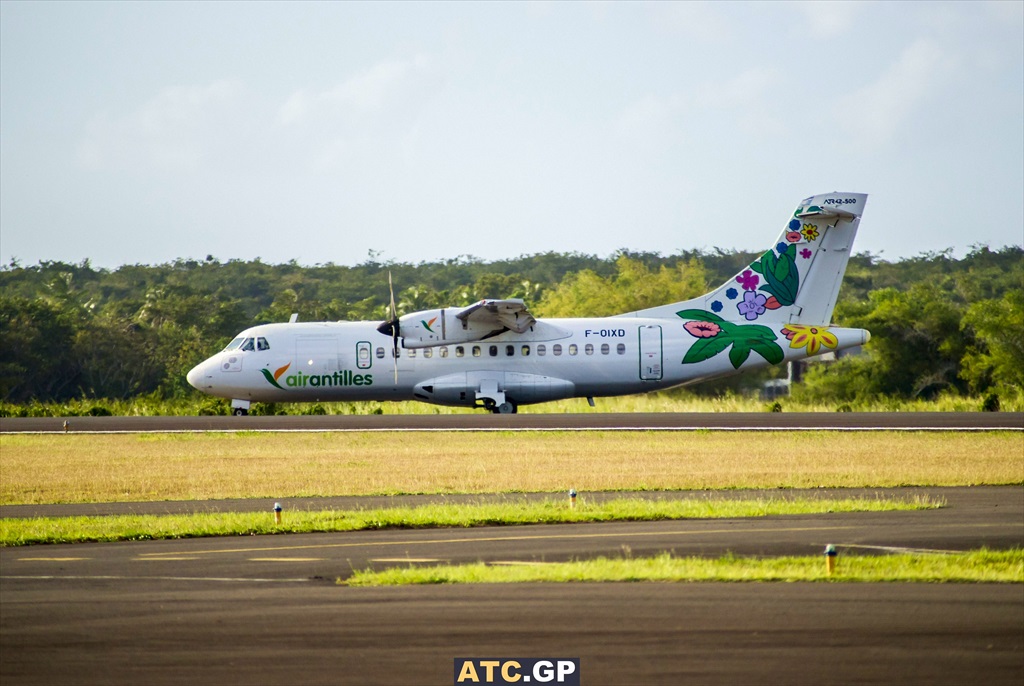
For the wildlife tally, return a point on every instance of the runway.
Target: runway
(267, 610)
(595, 421)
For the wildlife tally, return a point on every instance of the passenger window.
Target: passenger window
(573, 349)
(621, 348)
(493, 351)
(605, 349)
(556, 349)
(261, 344)
(459, 351)
(247, 346)
(510, 350)
(443, 352)
(526, 350)
(476, 351)
(542, 349)
(589, 349)
(412, 353)
(427, 352)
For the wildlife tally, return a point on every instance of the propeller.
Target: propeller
(392, 327)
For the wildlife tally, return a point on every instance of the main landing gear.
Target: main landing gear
(505, 407)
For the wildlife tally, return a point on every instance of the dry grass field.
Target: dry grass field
(143, 467)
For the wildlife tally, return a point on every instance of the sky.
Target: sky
(138, 133)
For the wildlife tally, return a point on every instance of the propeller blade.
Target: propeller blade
(391, 290)
(395, 327)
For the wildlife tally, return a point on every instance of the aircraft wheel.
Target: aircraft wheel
(506, 408)
(240, 412)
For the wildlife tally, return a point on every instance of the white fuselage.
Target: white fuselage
(496, 354)
(554, 359)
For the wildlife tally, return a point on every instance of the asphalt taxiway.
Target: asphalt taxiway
(267, 609)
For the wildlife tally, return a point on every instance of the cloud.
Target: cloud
(829, 19)
(384, 86)
(368, 117)
(650, 120)
(174, 130)
(875, 113)
(697, 19)
(748, 96)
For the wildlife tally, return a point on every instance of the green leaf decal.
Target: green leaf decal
(756, 331)
(739, 353)
(782, 269)
(706, 348)
(784, 289)
(768, 350)
(743, 338)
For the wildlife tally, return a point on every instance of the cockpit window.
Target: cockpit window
(261, 344)
(233, 345)
(248, 345)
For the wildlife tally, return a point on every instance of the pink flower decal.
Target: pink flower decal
(793, 236)
(700, 329)
(748, 280)
(805, 253)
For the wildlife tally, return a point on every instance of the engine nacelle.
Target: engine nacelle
(441, 327)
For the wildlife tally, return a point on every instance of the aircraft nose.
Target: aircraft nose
(195, 376)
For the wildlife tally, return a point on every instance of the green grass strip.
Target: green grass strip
(973, 566)
(14, 532)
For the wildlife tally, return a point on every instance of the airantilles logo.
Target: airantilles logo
(427, 325)
(345, 377)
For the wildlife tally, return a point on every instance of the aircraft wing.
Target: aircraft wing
(510, 314)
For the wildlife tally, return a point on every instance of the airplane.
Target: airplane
(495, 355)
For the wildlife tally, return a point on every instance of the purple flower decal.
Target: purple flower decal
(731, 294)
(748, 280)
(805, 253)
(716, 306)
(752, 305)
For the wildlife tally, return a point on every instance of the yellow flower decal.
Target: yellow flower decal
(810, 232)
(810, 337)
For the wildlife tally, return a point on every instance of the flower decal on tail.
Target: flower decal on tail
(782, 280)
(810, 337)
(715, 335)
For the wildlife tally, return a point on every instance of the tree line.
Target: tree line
(938, 323)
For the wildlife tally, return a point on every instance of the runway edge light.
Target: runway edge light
(830, 559)
(277, 513)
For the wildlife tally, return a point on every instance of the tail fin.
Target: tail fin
(797, 280)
